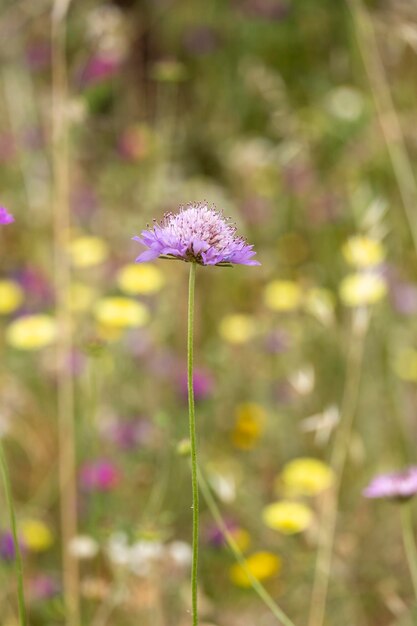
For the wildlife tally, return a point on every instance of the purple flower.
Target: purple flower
(215, 536)
(99, 69)
(5, 216)
(196, 233)
(7, 548)
(99, 475)
(203, 383)
(128, 434)
(396, 485)
(43, 587)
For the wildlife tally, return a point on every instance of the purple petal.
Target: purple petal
(148, 255)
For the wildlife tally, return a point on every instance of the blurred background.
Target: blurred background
(297, 118)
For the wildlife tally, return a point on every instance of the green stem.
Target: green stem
(18, 556)
(191, 417)
(409, 542)
(256, 585)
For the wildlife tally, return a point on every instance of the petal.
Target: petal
(148, 255)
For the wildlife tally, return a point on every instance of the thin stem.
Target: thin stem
(409, 542)
(338, 462)
(18, 556)
(256, 585)
(191, 417)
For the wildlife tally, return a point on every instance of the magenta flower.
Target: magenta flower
(99, 475)
(5, 216)
(396, 485)
(203, 383)
(196, 233)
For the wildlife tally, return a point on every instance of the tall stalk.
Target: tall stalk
(65, 383)
(193, 441)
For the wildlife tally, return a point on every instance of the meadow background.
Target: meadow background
(297, 118)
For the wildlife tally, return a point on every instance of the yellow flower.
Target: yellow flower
(362, 251)
(287, 517)
(262, 565)
(11, 296)
(141, 278)
(36, 535)
(405, 364)
(250, 419)
(88, 251)
(31, 332)
(306, 476)
(237, 328)
(362, 289)
(118, 312)
(81, 297)
(282, 295)
(319, 302)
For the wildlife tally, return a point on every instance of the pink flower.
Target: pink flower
(5, 216)
(99, 475)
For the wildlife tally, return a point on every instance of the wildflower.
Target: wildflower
(7, 547)
(362, 251)
(241, 537)
(128, 434)
(83, 547)
(237, 328)
(303, 380)
(11, 296)
(31, 332)
(396, 485)
(140, 279)
(5, 216)
(196, 233)
(118, 312)
(362, 289)
(249, 425)
(99, 475)
(283, 295)
(307, 476)
(36, 535)
(43, 587)
(345, 103)
(100, 68)
(287, 517)
(143, 555)
(262, 565)
(180, 552)
(203, 383)
(88, 251)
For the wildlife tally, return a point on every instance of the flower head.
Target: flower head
(197, 233)
(396, 485)
(5, 216)
(100, 475)
(262, 565)
(287, 517)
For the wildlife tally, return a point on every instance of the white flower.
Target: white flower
(83, 547)
(143, 554)
(118, 549)
(180, 552)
